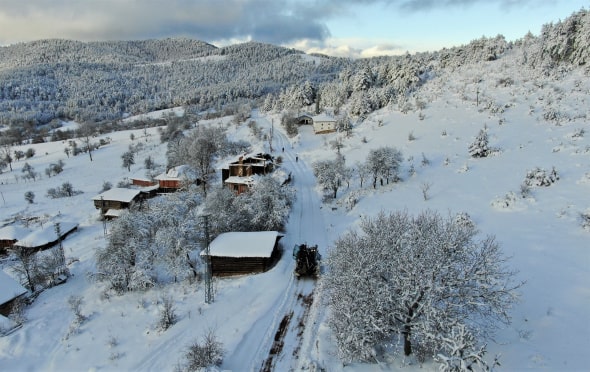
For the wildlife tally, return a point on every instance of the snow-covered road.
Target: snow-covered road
(291, 323)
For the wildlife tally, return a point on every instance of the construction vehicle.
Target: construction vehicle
(307, 260)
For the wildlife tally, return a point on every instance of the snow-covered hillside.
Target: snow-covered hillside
(531, 120)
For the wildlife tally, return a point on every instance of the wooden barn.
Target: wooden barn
(10, 235)
(236, 253)
(46, 237)
(176, 178)
(116, 198)
(10, 291)
(239, 175)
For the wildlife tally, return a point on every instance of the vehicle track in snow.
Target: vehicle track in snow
(285, 346)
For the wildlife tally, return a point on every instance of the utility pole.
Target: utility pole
(208, 273)
(272, 127)
(104, 220)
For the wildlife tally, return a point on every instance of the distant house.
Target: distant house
(10, 291)
(239, 175)
(324, 124)
(10, 235)
(116, 198)
(236, 253)
(46, 237)
(176, 178)
(143, 182)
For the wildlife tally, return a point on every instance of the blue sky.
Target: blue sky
(353, 28)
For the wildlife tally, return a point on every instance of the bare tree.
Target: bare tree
(27, 268)
(128, 159)
(86, 131)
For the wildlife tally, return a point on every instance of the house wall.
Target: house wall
(238, 188)
(105, 205)
(143, 183)
(6, 244)
(227, 266)
(324, 126)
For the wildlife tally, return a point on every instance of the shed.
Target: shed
(10, 235)
(10, 291)
(116, 198)
(46, 237)
(235, 253)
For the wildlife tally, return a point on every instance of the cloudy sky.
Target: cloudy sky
(355, 28)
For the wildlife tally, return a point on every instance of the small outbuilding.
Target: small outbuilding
(235, 253)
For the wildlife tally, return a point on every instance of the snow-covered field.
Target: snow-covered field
(542, 232)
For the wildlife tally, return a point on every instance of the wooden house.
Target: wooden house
(239, 175)
(143, 182)
(46, 237)
(236, 253)
(10, 235)
(116, 198)
(176, 178)
(10, 291)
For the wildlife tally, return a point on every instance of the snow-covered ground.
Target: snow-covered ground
(542, 233)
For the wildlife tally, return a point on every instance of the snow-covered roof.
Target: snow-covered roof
(13, 232)
(46, 235)
(177, 173)
(322, 117)
(9, 288)
(249, 180)
(244, 244)
(118, 194)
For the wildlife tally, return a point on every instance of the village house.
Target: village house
(116, 199)
(10, 235)
(46, 237)
(240, 175)
(176, 178)
(235, 253)
(322, 123)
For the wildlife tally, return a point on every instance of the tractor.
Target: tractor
(307, 260)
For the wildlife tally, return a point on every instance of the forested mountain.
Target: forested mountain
(48, 79)
(96, 81)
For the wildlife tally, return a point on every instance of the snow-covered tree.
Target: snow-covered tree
(128, 158)
(267, 203)
(384, 163)
(480, 148)
(416, 279)
(330, 174)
